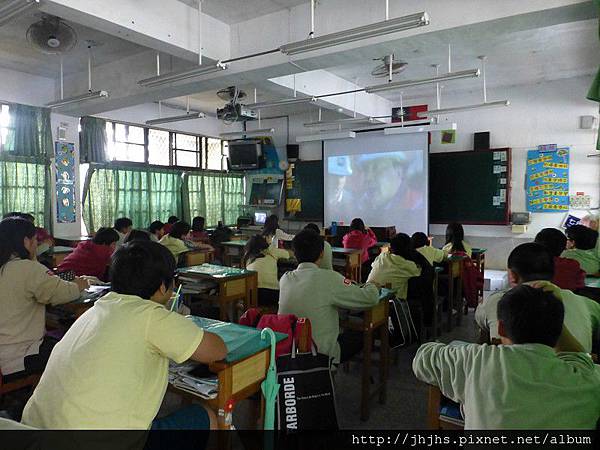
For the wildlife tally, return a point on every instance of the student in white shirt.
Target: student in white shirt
(316, 294)
(123, 226)
(523, 383)
(455, 240)
(533, 263)
(420, 242)
(273, 234)
(327, 259)
(110, 370)
(262, 258)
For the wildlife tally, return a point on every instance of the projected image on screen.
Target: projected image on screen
(381, 179)
(377, 182)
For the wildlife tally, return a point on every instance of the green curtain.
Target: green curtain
(92, 140)
(30, 131)
(24, 188)
(215, 196)
(594, 92)
(140, 194)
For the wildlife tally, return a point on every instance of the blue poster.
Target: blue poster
(65, 182)
(547, 179)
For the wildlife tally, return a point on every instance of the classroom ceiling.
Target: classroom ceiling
(560, 51)
(235, 11)
(18, 54)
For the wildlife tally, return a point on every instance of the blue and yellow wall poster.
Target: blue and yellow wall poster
(547, 179)
(65, 182)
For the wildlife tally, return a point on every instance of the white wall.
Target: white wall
(539, 114)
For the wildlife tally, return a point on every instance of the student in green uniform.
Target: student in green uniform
(420, 242)
(581, 246)
(524, 383)
(532, 263)
(327, 259)
(260, 257)
(316, 294)
(110, 370)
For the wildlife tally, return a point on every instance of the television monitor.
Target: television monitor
(260, 218)
(244, 154)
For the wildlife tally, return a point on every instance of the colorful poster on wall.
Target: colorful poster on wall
(65, 182)
(547, 180)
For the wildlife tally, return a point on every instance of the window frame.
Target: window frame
(7, 127)
(201, 148)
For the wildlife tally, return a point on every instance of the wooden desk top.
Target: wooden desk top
(345, 251)
(72, 238)
(215, 272)
(58, 249)
(478, 251)
(240, 243)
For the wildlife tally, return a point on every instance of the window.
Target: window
(4, 125)
(160, 147)
(23, 188)
(126, 142)
(159, 150)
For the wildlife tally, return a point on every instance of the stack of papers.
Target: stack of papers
(195, 285)
(179, 376)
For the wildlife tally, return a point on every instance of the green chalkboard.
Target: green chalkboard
(470, 187)
(304, 190)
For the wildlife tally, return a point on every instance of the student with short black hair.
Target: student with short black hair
(420, 242)
(524, 383)
(260, 257)
(316, 294)
(110, 370)
(567, 272)
(26, 288)
(198, 233)
(92, 257)
(533, 264)
(172, 220)
(396, 266)
(581, 246)
(157, 230)
(137, 235)
(327, 260)
(177, 240)
(455, 240)
(123, 225)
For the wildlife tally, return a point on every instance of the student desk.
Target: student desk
(240, 374)
(371, 321)
(196, 257)
(233, 251)
(234, 284)
(57, 254)
(70, 241)
(352, 268)
(478, 257)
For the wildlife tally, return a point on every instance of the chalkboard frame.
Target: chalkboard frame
(507, 208)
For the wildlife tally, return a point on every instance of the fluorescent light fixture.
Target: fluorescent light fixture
(473, 73)
(357, 34)
(349, 121)
(172, 77)
(189, 116)
(246, 134)
(284, 102)
(436, 112)
(327, 136)
(15, 7)
(419, 128)
(77, 99)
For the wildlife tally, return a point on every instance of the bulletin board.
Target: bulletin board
(470, 187)
(304, 190)
(547, 180)
(65, 182)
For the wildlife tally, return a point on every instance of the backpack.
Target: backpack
(297, 329)
(472, 280)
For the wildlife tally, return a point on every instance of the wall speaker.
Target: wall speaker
(292, 151)
(481, 140)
